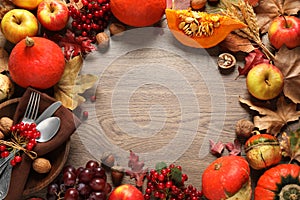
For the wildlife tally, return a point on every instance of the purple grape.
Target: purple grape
(84, 189)
(86, 175)
(71, 194)
(92, 164)
(97, 184)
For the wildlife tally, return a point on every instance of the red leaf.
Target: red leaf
(234, 148)
(137, 172)
(255, 57)
(73, 45)
(216, 148)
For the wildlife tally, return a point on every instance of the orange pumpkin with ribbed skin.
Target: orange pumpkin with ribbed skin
(279, 182)
(227, 177)
(36, 62)
(138, 13)
(262, 151)
(221, 26)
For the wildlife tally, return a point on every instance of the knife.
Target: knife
(49, 111)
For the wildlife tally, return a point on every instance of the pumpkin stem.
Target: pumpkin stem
(29, 41)
(290, 192)
(218, 166)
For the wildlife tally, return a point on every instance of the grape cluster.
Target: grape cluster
(91, 19)
(169, 183)
(24, 135)
(83, 183)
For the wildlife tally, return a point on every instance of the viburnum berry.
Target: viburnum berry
(18, 159)
(2, 147)
(4, 154)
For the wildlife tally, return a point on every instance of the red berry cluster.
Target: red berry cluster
(23, 134)
(169, 183)
(92, 18)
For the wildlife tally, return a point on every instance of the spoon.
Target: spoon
(48, 128)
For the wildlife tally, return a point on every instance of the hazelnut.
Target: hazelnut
(198, 4)
(5, 124)
(116, 29)
(41, 165)
(102, 40)
(244, 128)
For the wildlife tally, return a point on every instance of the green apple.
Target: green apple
(17, 24)
(265, 81)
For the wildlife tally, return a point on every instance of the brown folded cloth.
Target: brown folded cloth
(69, 123)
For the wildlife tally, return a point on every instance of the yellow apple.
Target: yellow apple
(27, 4)
(265, 81)
(17, 24)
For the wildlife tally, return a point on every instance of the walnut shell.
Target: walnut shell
(5, 124)
(244, 128)
(41, 165)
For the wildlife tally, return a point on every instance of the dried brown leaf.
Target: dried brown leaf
(235, 43)
(273, 120)
(267, 10)
(72, 84)
(290, 145)
(3, 60)
(288, 61)
(5, 6)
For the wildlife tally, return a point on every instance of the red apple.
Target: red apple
(126, 192)
(264, 81)
(53, 14)
(28, 4)
(17, 24)
(285, 30)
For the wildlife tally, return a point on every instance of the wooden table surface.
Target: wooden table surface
(160, 99)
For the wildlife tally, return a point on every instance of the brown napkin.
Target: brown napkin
(69, 123)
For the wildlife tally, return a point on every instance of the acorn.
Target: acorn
(108, 159)
(117, 175)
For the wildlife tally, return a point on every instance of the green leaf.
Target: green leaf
(159, 166)
(176, 175)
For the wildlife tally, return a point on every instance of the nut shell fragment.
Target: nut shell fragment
(226, 61)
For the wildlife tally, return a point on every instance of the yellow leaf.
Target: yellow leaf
(72, 84)
(273, 120)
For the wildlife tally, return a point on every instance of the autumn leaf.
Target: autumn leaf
(290, 145)
(136, 170)
(252, 59)
(273, 120)
(3, 60)
(235, 43)
(5, 6)
(72, 84)
(288, 61)
(267, 10)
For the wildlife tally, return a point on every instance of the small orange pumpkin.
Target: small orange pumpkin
(36, 62)
(200, 29)
(262, 151)
(227, 177)
(138, 13)
(279, 182)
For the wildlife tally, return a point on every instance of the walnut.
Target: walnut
(41, 165)
(244, 128)
(116, 29)
(5, 125)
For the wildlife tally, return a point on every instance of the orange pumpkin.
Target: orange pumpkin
(279, 182)
(227, 177)
(262, 151)
(138, 13)
(200, 29)
(37, 62)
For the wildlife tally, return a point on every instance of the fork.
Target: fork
(29, 117)
(32, 108)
